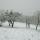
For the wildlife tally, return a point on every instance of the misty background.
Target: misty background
(26, 7)
(19, 19)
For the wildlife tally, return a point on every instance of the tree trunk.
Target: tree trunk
(36, 26)
(26, 22)
(28, 25)
(12, 25)
(9, 24)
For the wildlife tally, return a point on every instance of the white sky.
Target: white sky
(27, 7)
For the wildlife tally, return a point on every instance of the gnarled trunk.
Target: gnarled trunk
(12, 24)
(36, 26)
(9, 24)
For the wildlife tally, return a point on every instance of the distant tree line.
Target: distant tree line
(11, 17)
(35, 19)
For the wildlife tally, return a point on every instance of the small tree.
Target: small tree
(11, 17)
(28, 21)
(2, 18)
(37, 13)
(37, 23)
(16, 14)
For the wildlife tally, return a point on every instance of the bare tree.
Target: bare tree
(28, 21)
(11, 17)
(37, 13)
(2, 17)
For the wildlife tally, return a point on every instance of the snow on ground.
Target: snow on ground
(16, 24)
(18, 33)
(20, 25)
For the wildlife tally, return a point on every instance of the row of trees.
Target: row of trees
(32, 20)
(12, 16)
(35, 19)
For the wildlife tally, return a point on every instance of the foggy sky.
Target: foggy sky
(27, 7)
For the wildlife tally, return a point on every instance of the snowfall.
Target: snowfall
(19, 32)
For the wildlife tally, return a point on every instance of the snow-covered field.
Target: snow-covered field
(19, 32)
